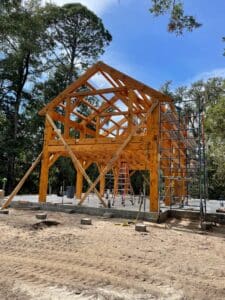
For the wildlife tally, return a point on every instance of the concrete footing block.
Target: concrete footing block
(41, 216)
(107, 215)
(85, 221)
(140, 227)
(206, 226)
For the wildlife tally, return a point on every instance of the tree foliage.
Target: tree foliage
(42, 50)
(178, 20)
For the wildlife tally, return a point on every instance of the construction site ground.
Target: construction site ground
(108, 259)
(93, 201)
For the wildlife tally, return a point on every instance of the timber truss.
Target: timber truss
(106, 117)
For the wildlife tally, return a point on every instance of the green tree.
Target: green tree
(23, 31)
(37, 41)
(81, 38)
(178, 21)
(215, 130)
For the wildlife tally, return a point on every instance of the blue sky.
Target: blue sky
(143, 48)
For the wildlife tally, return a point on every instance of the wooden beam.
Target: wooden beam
(104, 98)
(82, 100)
(75, 161)
(20, 184)
(73, 124)
(99, 92)
(75, 85)
(109, 79)
(53, 158)
(122, 113)
(132, 83)
(118, 152)
(104, 106)
(121, 122)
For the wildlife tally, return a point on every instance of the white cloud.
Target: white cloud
(98, 6)
(220, 72)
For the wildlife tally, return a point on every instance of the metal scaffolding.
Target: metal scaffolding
(182, 156)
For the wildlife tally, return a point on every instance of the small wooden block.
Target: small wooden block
(221, 210)
(41, 216)
(4, 212)
(140, 227)
(85, 221)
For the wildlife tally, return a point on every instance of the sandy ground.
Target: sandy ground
(108, 260)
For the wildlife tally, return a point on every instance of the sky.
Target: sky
(142, 47)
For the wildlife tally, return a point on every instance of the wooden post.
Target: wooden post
(97, 126)
(154, 160)
(43, 186)
(131, 100)
(79, 184)
(102, 182)
(116, 179)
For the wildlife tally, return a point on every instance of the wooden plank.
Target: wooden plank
(20, 184)
(75, 161)
(118, 152)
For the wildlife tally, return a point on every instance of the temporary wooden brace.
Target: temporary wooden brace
(118, 152)
(20, 184)
(75, 161)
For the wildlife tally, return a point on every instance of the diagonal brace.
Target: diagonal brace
(75, 161)
(118, 152)
(20, 184)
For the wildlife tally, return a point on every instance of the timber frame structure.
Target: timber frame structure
(108, 118)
